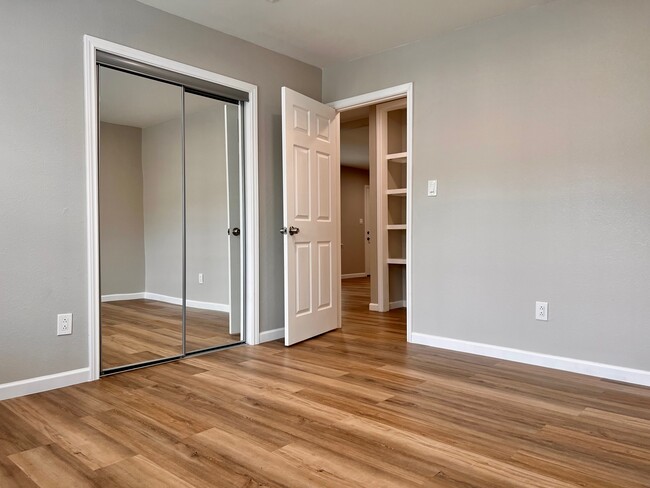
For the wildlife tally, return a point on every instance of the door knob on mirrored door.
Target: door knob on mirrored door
(235, 231)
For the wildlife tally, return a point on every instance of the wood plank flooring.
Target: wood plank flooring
(355, 407)
(134, 331)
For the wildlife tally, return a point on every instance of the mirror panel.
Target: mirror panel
(236, 219)
(211, 205)
(140, 218)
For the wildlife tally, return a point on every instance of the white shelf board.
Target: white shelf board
(399, 192)
(396, 227)
(396, 261)
(397, 157)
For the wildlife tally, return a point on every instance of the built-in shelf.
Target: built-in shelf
(392, 191)
(397, 157)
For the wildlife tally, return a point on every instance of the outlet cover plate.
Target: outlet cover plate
(64, 324)
(541, 310)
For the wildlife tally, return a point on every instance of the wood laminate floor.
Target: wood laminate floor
(134, 331)
(356, 407)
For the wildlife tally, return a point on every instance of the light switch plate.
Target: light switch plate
(432, 188)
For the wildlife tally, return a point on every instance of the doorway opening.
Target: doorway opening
(375, 210)
(312, 206)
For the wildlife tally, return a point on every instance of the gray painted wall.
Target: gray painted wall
(536, 126)
(354, 145)
(43, 187)
(163, 207)
(207, 203)
(206, 206)
(353, 240)
(134, 233)
(120, 209)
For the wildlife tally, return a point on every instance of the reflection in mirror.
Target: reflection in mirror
(140, 218)
(212, 208)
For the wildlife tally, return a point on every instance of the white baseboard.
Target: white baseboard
(43, 383)
(374, 307)
(353, 275)
(608, 371)
(271, 335)
(219, 307)
(122, 296)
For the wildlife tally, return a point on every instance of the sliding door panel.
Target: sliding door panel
(140, 215)
(236, 218)
(211, 234)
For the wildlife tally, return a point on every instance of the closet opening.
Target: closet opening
(171, 215)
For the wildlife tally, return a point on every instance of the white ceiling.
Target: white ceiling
(325, 32)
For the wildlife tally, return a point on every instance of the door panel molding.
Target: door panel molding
(311, 177)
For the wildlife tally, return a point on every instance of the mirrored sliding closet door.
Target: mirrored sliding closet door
(213, 230)
(170, 219)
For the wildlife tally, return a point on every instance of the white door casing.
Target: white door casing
(311, 177)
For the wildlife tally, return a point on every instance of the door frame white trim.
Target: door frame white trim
(373, 98)
(91, 46)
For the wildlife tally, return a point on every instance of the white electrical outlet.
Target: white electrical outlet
(541, 310)
(64, 324)
(200, 278)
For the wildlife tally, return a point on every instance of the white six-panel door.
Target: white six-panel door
(311, 170)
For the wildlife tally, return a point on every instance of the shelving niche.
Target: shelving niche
(392, 164)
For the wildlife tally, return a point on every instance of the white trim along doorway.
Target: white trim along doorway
(251, 251)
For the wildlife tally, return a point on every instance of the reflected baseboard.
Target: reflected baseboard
(123, 296)
(218, 307)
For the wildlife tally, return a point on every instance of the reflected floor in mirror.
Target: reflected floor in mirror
(134, 331)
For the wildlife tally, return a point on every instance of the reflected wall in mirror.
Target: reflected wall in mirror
(212, 213)
(140, 218)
